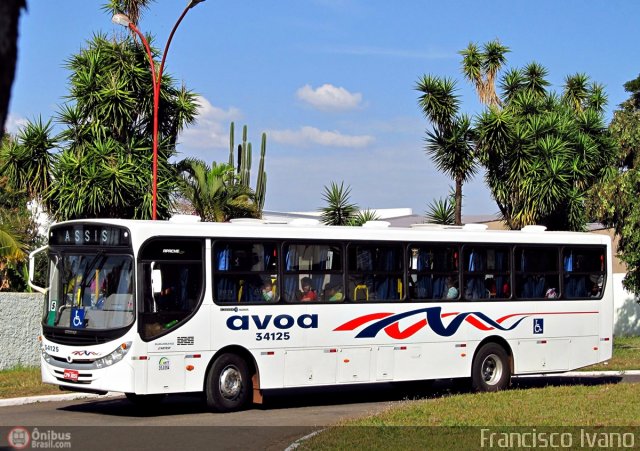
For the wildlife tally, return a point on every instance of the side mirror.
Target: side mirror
(32, 258)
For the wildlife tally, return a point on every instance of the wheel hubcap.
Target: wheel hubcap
(230, 382)
(492, 369)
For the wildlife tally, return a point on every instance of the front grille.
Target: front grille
(74, 361)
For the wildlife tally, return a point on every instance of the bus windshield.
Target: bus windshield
(90, 291)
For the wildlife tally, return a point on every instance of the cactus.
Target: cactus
(261, 183)
(231, 145)
(243, 168)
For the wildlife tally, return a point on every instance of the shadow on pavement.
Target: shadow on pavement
(326, 396)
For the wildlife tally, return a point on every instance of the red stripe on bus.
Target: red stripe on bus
(394, 331)
(354, 323)
(477, 323)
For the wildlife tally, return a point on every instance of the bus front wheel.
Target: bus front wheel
(491, 370)
(228, 384)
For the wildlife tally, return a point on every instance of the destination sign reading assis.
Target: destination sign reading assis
(89, 235)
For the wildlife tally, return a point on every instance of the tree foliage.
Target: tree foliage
(450, 143)
(615, 200)
(544, 152)
(362, 217)
(102, 160)
(18, 233)
(215, 192)
(132, 8)
(339, 210)
(541, 152)
(442, 210)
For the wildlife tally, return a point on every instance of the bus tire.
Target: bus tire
(229, 386)
(491, 370)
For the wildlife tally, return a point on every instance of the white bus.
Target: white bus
(149, 308)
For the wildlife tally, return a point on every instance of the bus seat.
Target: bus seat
(361, 293)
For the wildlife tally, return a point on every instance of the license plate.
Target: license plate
(71, 375)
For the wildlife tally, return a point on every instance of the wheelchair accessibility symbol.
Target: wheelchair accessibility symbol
(77, 318)
(538, 325)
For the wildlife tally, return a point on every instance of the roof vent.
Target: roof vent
(475, 227)
(376, 224)
(533, 229)
(185, 219)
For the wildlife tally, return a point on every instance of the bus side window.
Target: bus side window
(313, 272)
(537, 273)
(486, 272)
(376, 272)
(245, 271)
(583, 270)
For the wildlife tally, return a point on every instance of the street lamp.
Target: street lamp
(156, 77)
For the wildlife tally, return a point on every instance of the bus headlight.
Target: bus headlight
(46, 356)
(114, 357)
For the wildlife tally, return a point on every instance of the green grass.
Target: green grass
(569, 405)
(626, 356)
(24, 381)
(455, 421)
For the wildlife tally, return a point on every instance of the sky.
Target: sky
(332, 82)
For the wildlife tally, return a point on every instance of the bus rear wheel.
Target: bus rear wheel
(491, 370)
(228, 386)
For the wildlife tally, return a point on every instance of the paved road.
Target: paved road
(183, 421)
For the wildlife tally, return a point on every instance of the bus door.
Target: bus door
(171, 273)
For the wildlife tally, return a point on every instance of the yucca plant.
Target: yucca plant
(102, 160)
(542, 152)
(441, 211)
(339, 209)
(362, 217)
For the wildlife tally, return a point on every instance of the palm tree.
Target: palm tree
(363, 217)
(103, 168)
(442, 211)
(535, 78)
(576, 90)
(215, 192)
(451, 142)
(27, 159)
(13, 252)
(543, 152)
(339, 209)
(11, 247)
(132, 8)
(481, 68)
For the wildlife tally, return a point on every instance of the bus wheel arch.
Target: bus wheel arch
(231, 380)
(492, 365)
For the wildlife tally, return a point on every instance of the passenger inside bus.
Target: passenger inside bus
(267, 290)
(308, 293)
(333, 291)
(452, 289)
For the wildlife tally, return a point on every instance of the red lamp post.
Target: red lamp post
(156, 77)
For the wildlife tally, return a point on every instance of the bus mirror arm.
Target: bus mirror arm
(32, 259)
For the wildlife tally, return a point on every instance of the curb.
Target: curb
(10, 402)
